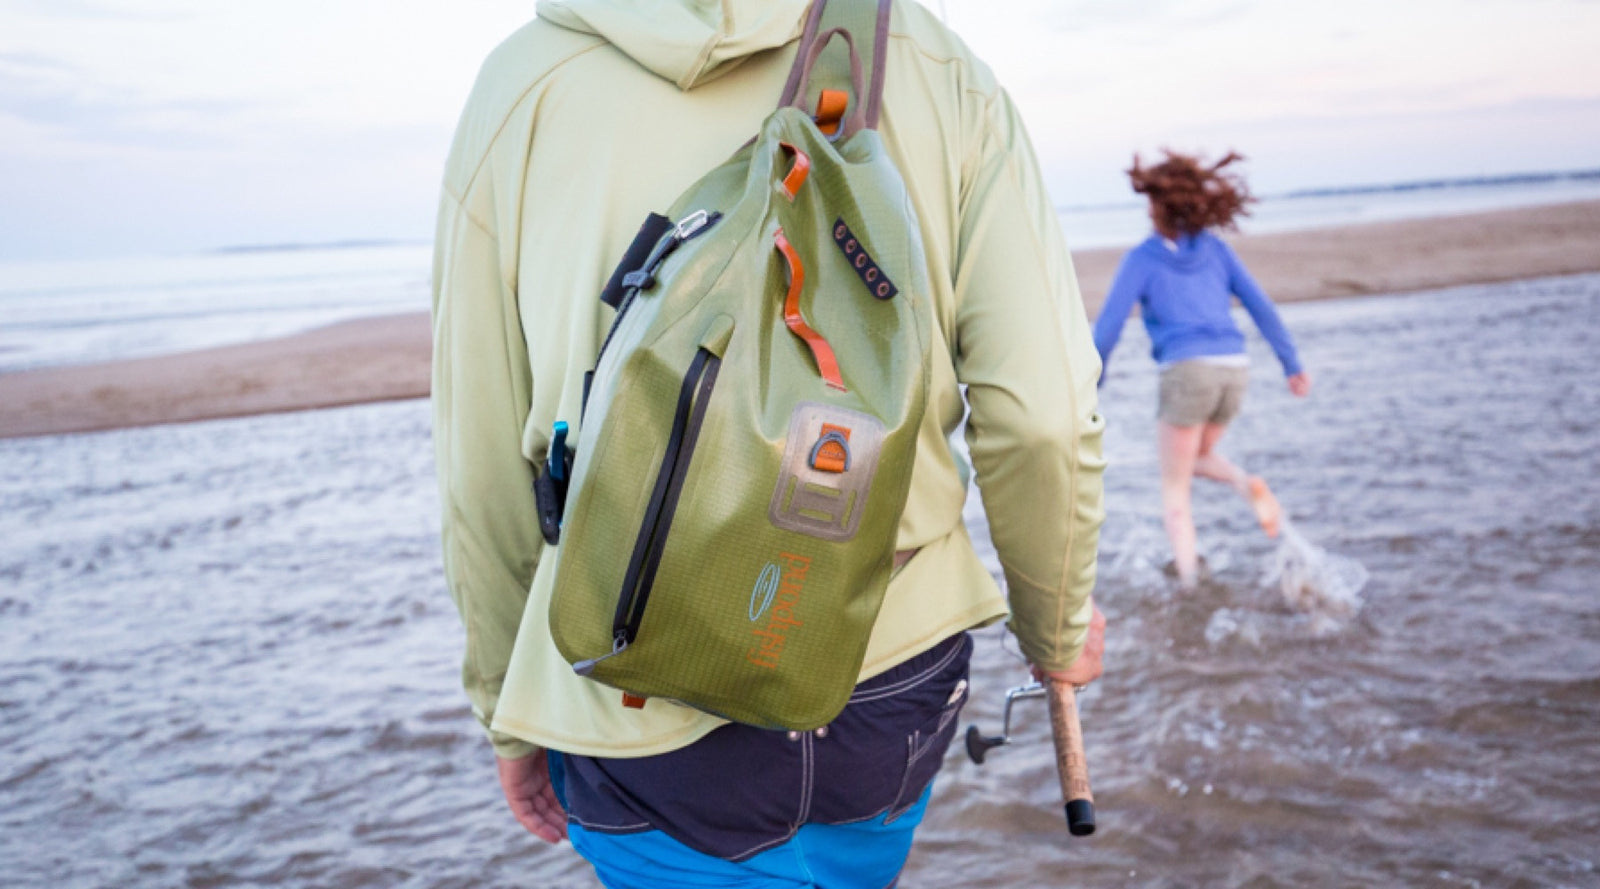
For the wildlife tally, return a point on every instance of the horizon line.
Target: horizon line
(1408, 185)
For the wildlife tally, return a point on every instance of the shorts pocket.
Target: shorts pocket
(925, 750)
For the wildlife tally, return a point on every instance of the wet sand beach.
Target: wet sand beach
(386, 358)
(374, 359)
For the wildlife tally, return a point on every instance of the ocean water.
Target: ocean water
(54, 313)
(227, 657)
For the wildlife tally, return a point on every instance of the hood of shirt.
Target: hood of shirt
(1188, 255)
(687, 42)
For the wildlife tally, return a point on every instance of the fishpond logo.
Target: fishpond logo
(765, 591)
(777, 594)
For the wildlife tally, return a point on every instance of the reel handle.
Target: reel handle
(979, 744)
(1071, 764)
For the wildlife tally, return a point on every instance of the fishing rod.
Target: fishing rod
(1071, 765)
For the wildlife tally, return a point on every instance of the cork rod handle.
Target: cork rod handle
(1071, 763)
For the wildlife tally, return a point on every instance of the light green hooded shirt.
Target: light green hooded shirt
(601, 111)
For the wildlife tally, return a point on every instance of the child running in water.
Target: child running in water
(1184, 278)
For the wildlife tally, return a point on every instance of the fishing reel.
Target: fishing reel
(1071, 764)
(979, 744)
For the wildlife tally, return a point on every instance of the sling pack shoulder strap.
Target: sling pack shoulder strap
(849, 20)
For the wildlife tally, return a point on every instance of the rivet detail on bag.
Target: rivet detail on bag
(878, 283)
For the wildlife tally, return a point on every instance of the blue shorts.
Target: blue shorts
(748, 807)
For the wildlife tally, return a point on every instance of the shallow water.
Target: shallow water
(227, 658)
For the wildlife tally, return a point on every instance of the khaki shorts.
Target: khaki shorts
(1196, 392)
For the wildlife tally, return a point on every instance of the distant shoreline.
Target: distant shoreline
(387, 358)
(1499, 180)
(1440, 184)
(294, 247)
(1400, 256)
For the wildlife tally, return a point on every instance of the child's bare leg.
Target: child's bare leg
(1211, 464)
(1179, 446)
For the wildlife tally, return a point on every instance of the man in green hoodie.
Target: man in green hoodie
(582, 123)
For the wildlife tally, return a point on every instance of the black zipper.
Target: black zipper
(693, 397)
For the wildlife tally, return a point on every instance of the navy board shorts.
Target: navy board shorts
(833, 807)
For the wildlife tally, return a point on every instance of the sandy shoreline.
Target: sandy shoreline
(353, 362)
(380, 359)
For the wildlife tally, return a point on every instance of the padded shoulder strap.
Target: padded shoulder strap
(856, 18)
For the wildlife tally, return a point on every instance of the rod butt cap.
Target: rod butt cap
(1080, 817)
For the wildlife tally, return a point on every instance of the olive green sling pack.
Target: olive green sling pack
(727, 528)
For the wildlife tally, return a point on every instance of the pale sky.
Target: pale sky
(166, 126)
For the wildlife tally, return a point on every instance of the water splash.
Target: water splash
(1229, 625)
(1314, 581)
(1137, 553)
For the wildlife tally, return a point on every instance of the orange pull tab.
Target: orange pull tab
(832, 450)
(831, 106)
(827, 364)
(633, 702)
(798, 172)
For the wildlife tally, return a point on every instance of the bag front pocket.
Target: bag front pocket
(693, 397)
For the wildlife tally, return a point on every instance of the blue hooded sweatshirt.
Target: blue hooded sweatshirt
(1184, 296)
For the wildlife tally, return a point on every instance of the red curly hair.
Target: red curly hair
(1190, 196)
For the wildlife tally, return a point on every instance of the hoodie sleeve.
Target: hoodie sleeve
(481, 377)
(1030, 367)
(1126, 288)
(1261, 310)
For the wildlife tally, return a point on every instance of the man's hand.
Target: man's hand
(1300, 384)
(526, 783)
(1087, 667)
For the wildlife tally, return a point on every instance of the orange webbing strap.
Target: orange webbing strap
(798, 172)
(827, 365)
(831, 106)
(831, 453)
